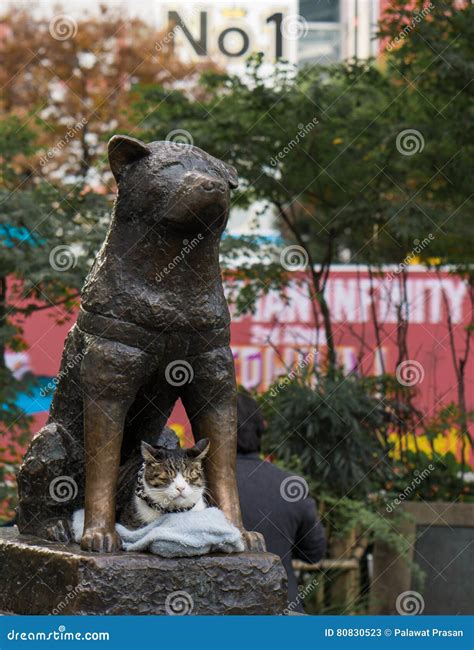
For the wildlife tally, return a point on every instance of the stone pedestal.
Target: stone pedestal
(38, 577)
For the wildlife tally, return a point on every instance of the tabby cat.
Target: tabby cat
(161, 481)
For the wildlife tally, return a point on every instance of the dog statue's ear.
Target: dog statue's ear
(200, 449)
(232, 176)
(124, 150)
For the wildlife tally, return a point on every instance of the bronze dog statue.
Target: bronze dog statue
(153, 327)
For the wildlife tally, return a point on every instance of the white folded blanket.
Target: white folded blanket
(177, 534)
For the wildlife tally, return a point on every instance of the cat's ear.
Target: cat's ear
(148, 452)
(124, 150)
(200, 449)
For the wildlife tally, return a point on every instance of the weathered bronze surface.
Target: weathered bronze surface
(153, 327)
(40, 577)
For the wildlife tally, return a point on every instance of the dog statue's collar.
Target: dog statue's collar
(152, 341)
(142, 494)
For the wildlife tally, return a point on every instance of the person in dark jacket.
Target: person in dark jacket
(275, 503)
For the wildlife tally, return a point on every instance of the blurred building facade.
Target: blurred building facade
(301, 31)
(228, 31)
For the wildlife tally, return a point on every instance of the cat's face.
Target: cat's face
(174, 479)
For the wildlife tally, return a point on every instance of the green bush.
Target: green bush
(337, 428)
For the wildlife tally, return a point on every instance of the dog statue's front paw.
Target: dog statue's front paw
(59, 531)
(101, 540)
(254, 542)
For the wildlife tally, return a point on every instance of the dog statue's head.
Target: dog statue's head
(178, 185)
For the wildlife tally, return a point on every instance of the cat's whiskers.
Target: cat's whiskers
(206, 494)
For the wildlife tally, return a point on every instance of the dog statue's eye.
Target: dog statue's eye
(174, 163)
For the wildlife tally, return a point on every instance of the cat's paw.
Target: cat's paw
(254, 542)
(101, 540)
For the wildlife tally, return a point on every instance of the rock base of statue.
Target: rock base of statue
(38, 577)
